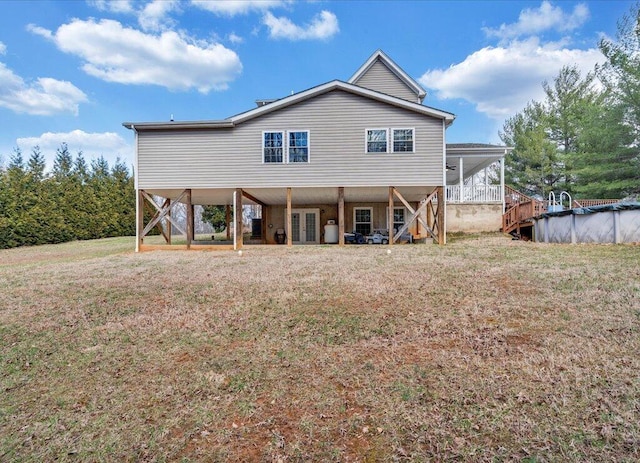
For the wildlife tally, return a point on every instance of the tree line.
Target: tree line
(584, 137)
(75, 201)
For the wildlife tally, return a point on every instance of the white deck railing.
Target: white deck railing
(474, 194)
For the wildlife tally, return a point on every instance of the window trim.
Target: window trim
(264, 132)
(395, 208)
(366, 139)
(368, 208)
(413, 139)
(308, 132)
(285, 146)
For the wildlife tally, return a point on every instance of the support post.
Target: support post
(263, 231)
(227, 218)
(189, 219)
(341, 216)
(139, 218)
(461, 179)
(238, 225)
(169, 226)
(390, 216)
(442, 238)
(289, 237)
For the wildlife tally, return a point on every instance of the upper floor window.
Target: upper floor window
(273, 146)
(402, 140)
(376, 140)
(285, 146)
(298, 146)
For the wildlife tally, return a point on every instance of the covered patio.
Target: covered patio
(425, 208)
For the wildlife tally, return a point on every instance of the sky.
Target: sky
(74, 71)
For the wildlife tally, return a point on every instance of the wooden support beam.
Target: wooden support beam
(158, 224)
(265, 220)
(239, 219)
(167, 236)
(289, 237)
(390, 216)
(253, 198)
(416, 214)
(442, 239)
(341, 216)
(227, 219)
(162, 213)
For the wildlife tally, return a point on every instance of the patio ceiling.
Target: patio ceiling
(475, 157)
(300, 196)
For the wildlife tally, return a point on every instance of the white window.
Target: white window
(298, 146)
(403, 140)
(399, 218)
(377, 141)
(362, 220)
(285, 146)
(273, 146)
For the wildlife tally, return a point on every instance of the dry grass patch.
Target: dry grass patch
(483, 350)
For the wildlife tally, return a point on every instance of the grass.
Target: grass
(484, 350)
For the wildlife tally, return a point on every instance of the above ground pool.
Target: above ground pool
(609, 223)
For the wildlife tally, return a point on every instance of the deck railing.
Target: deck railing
(474, 194)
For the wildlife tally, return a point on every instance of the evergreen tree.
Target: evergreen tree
(36, 164)
(621, 75)
(216, 216)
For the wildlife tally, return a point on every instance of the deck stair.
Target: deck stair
(519, 212)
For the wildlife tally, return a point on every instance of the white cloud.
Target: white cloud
(535, 21)
(236, 7)
(43, 97)
(3, 48)
(154, 16)
(234, 38)
(107, 144)
(322, 26)
(115, 53)
(500, 81)
(113, 6)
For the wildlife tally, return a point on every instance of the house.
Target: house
(364, 154)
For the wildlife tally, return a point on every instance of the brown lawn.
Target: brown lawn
(484, 350)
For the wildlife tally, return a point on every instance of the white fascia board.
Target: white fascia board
(496, 151)
(141, 126)
(337, 84)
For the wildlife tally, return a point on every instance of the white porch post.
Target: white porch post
(461, 178)
(502, 184)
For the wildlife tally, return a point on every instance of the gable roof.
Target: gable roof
(297, 98)
(381, 56)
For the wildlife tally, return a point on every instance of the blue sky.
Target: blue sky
(73, 71)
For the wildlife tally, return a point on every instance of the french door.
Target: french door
(305, 226)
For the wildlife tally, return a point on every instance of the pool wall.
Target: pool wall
(614, 223)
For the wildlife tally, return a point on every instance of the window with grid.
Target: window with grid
(362, 218)
(403, 140)
(398, 218)
(298, 146)
(376, 140)
(272, 146)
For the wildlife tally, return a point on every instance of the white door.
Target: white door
(305, 226)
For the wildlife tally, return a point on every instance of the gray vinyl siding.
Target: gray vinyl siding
(336, 121)
(381, 79)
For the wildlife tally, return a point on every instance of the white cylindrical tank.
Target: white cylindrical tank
(331, 232)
